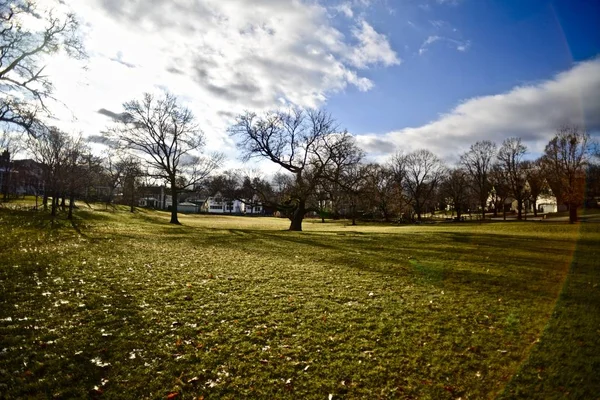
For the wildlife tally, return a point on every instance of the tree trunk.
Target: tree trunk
(45, 201)
(174, 219)
(572, 213)
(483, 203)
(519, 209)
(132, 204)
(298, 216)
(71, 204)
(62, 202)
(54, 204)
(495, 207)
(535, 206)
(504, 209)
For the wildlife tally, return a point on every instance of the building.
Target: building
(154, 197)
(217, 204)
(20, 177)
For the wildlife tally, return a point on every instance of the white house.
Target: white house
(217, 204)
(154, 197)
(546, 204)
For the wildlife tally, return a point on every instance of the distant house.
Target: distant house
(21, 177)
(188, 208)
(217, 204)
(254, 207)
(547, 204)
(154, 197)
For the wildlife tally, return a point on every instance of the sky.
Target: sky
(398, 74)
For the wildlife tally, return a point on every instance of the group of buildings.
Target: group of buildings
(26, 177)
(157, 197)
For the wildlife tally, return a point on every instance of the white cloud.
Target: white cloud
(460, 45)
(449, 2)
(345, 8)
(532, 112)
(220, 57)
(373, 48)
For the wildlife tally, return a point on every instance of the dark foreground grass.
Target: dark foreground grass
(127, 306)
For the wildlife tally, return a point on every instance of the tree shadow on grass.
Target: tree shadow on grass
(463, 259)
(566, 362)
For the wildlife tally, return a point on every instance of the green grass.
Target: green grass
(127, 306)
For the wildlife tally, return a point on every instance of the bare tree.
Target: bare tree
(79, 166)
(344, 180)
(510, 159)
(303, 143)
(565, 161)
(593, 184)
(455, 187)
(536, 181)
(382, 190)
(500, 189)
(131, 179)
(478, 163)
(422, 172)
(353, 182)
(51, 149)
(10, 144)
(168, 137)
(24, 85)
(113, 168)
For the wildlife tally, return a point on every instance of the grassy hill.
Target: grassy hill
(119, 305)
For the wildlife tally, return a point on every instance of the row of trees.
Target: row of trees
(323, 168)
(325, 172)
(65, 168)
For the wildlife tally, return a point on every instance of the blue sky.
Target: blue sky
(512, 42)
(399, 75)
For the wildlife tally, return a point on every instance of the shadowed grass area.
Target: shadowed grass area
(120, 305)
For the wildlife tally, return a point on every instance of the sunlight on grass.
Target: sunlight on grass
(125, 305)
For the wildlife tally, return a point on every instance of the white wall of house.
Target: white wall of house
(547, 204)
(218, 205)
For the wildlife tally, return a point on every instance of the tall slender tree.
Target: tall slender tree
(510, 159)
(536, 181)
(478, 163)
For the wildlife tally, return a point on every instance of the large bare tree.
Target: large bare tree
(478, 163)
(565, 161)
(24, 86)
(167, 135)
(304, 143)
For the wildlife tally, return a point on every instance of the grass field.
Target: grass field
(120, 306)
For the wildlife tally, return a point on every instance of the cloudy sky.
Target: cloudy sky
(398, 74)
